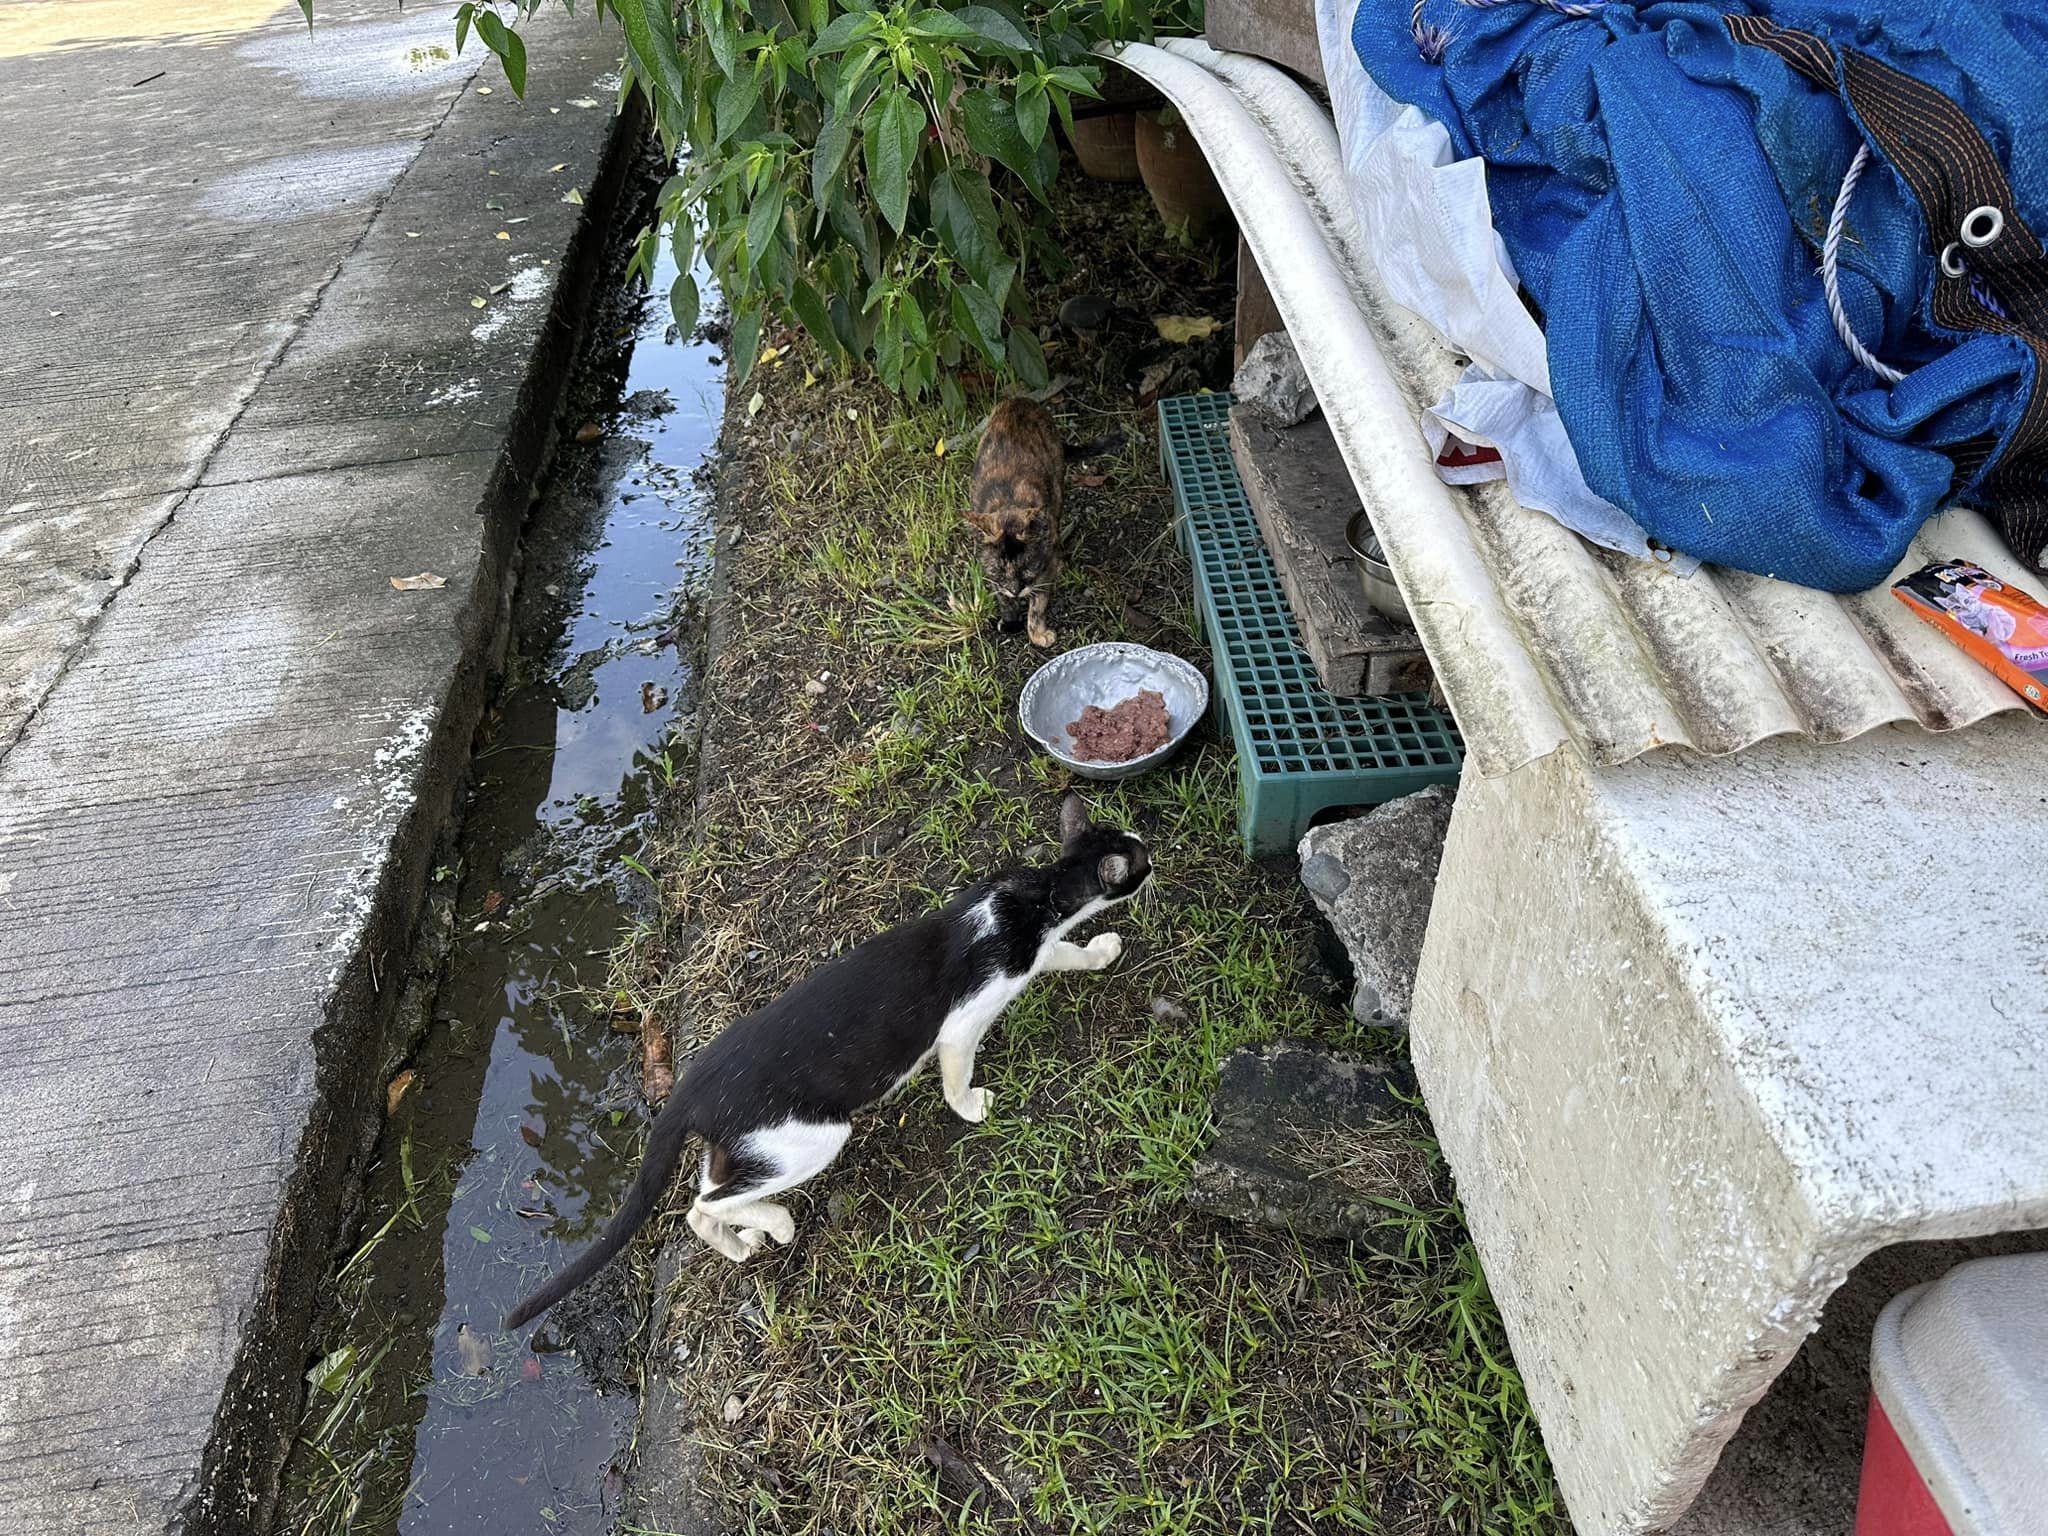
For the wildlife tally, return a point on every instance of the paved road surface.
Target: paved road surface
(244, 384)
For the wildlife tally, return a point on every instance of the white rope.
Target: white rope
(1830, 257)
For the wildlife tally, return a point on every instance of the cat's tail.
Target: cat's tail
(672, 1129)
(1109, 442)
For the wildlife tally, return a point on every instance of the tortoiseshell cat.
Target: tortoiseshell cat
(1020, 481)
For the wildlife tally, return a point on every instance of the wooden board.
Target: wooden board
(1302, 496)
(1281, 31)
(1257, 314)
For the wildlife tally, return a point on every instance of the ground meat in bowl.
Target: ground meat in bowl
(1123, 731)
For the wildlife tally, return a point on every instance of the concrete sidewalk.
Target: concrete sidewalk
(247, 382)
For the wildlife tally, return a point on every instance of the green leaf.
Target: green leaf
(507, 45)
(737, 99)
(330, 1372)
(889, 135)
(816, 319)
(764, 222)
(1027, 357)
(683, 302)
(480, 1234)
(975, 313)
(746, 339)
(684, 243)
(644, 252)
(1078, 81)
(991, 124)
(722, 37)
(651, 35)
(842, 33)
(1032, 111)
(463, 16)
(994, 26)
(965, 216)
(828, 155)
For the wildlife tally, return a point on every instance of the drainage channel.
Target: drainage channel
(513, 1129)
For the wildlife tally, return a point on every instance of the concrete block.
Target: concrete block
(1374, 878)
(1305, 1137)
(1272, 383)
(1698, 1036)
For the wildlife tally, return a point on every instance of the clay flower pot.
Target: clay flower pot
(1106, 147)
(1175, 173)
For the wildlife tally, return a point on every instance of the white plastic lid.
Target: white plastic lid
(1961, 1367)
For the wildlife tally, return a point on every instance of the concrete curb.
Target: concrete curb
(251, 1436)
(218, 826)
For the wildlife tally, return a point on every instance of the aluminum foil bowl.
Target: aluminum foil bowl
(1105, 675)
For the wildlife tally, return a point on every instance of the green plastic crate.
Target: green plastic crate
(1300, 749)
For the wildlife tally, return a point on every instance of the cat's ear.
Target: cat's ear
(1113, 872)
(984, 523)
(1073, 820)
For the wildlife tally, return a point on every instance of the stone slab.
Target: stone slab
(1306, 1138)
(1303, 498)
(1374, 878)
(229, 742)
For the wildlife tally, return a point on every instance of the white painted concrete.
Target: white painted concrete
(1698, 1035)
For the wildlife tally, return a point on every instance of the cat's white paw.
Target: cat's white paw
(1105, 948)
(771, 1220)
(972, 1106)
(717, 1235)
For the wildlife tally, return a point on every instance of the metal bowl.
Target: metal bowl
(1106, 675)
(1381, 590)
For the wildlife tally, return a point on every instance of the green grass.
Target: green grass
(1033, 1293)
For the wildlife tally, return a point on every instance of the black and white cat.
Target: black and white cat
(774, 1094)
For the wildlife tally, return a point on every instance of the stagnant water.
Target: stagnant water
(516, 1131)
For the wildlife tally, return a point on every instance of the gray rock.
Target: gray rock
(1273, 383)
(1374, 878)
(1306, 1138)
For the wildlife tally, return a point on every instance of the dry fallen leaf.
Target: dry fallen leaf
(412, 234)
(426, 581)
(498, 288)
(754, 405)
(475, 1350)
(657, 1070)
(589, 432)
(652, 698)
(573, 196)
(939, 449)
(767, 355)
(477, 302)
(733, 1409)
(504, 234)
(562, 166)
(396, 1091)
(1185, 328)
(1152, 380)
(1091, 481)
(492, 901)
(584, 101)
(483, 90)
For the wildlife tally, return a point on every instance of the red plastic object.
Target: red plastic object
(1893, 1500)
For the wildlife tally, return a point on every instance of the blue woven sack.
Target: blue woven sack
(1664, 177)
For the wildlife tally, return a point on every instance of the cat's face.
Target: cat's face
(1103, 864)
(1017, 560)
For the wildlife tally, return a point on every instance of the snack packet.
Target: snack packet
(1999, 625)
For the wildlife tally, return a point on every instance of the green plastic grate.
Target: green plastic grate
(1300, 749)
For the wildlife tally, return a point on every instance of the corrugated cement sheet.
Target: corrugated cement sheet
(1538, 637)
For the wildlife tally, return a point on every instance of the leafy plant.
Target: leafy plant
(871, 172)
